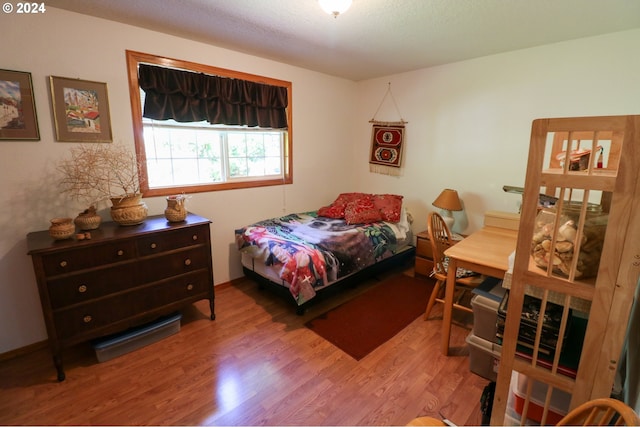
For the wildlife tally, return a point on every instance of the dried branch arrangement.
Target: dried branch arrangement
(96, 172)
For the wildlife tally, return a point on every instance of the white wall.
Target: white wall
(468, 129)
(470, 122)
(62, 43)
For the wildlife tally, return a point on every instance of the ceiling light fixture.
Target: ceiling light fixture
(335, 7)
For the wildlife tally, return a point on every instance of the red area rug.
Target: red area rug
(370, 319)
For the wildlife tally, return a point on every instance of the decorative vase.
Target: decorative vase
(175, 211)
(62, 228)
(128, 210)
(88, 219)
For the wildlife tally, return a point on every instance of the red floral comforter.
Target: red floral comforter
(311, 252)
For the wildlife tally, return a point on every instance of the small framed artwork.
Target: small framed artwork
(80, 110)
(18, 119)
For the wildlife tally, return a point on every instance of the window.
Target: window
(199, 153)
(193, 155)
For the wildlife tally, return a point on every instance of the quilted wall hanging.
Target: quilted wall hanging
(387, 142)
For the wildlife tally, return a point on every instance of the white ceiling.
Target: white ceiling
(373, 38)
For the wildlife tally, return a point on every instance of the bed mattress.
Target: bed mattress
(306, 252)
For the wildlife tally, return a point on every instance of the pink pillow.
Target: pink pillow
(389, 205)
(362, 211)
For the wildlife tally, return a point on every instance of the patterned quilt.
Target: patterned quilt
(311, 252)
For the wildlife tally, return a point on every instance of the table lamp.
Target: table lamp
(448, 201)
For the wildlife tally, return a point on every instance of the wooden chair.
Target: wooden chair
(426, 421)
(441, 240)
(601, 412)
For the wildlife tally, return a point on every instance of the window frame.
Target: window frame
(133, 59)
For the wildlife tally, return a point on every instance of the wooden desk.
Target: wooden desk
(487, 252)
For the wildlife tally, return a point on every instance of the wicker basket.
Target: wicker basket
(175, 211)
(62, 228)
(129, 210)
(88, 220)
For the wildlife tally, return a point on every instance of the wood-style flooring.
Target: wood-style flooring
(256, 364)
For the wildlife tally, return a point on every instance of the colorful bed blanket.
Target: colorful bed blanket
(311, 252)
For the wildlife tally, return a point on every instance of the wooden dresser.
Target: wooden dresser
(122, 277)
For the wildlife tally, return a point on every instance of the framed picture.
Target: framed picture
(80, 110)
(18, 118)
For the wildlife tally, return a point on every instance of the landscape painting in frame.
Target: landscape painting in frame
(18, 118)
(80, 110)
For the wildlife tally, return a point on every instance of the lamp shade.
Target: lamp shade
(335, 7)
(448, 200)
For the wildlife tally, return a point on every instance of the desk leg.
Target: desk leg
(448, 305)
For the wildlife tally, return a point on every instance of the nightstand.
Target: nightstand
(424, 254)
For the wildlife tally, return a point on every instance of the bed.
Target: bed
(304, 255)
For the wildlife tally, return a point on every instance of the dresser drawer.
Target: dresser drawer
(79, 258)
(423, 266)
(423, 248)
(87, 318)
(193, 285)
(172, 264)
(176, 239)
(84, 286)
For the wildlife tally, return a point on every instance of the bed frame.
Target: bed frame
(402, 257)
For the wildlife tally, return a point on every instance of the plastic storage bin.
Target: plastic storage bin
(528, 324)
(484, 357)
(558, 408)
(485, 304)
(112, 346)
(485, 316)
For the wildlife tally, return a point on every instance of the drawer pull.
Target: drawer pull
(120, 252)
(195, 237)
(187, 261)
(82, 288)
(189, 287)
(63, 264)
(153, 246)
(87, 319)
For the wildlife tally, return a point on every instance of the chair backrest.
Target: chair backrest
(601, 412)
(440, 238)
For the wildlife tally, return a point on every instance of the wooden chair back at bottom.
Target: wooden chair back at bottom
(601, 412)
(441, 240)
(440, 237)
(426, 421)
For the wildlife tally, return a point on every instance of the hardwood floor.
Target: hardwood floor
(256, 364)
